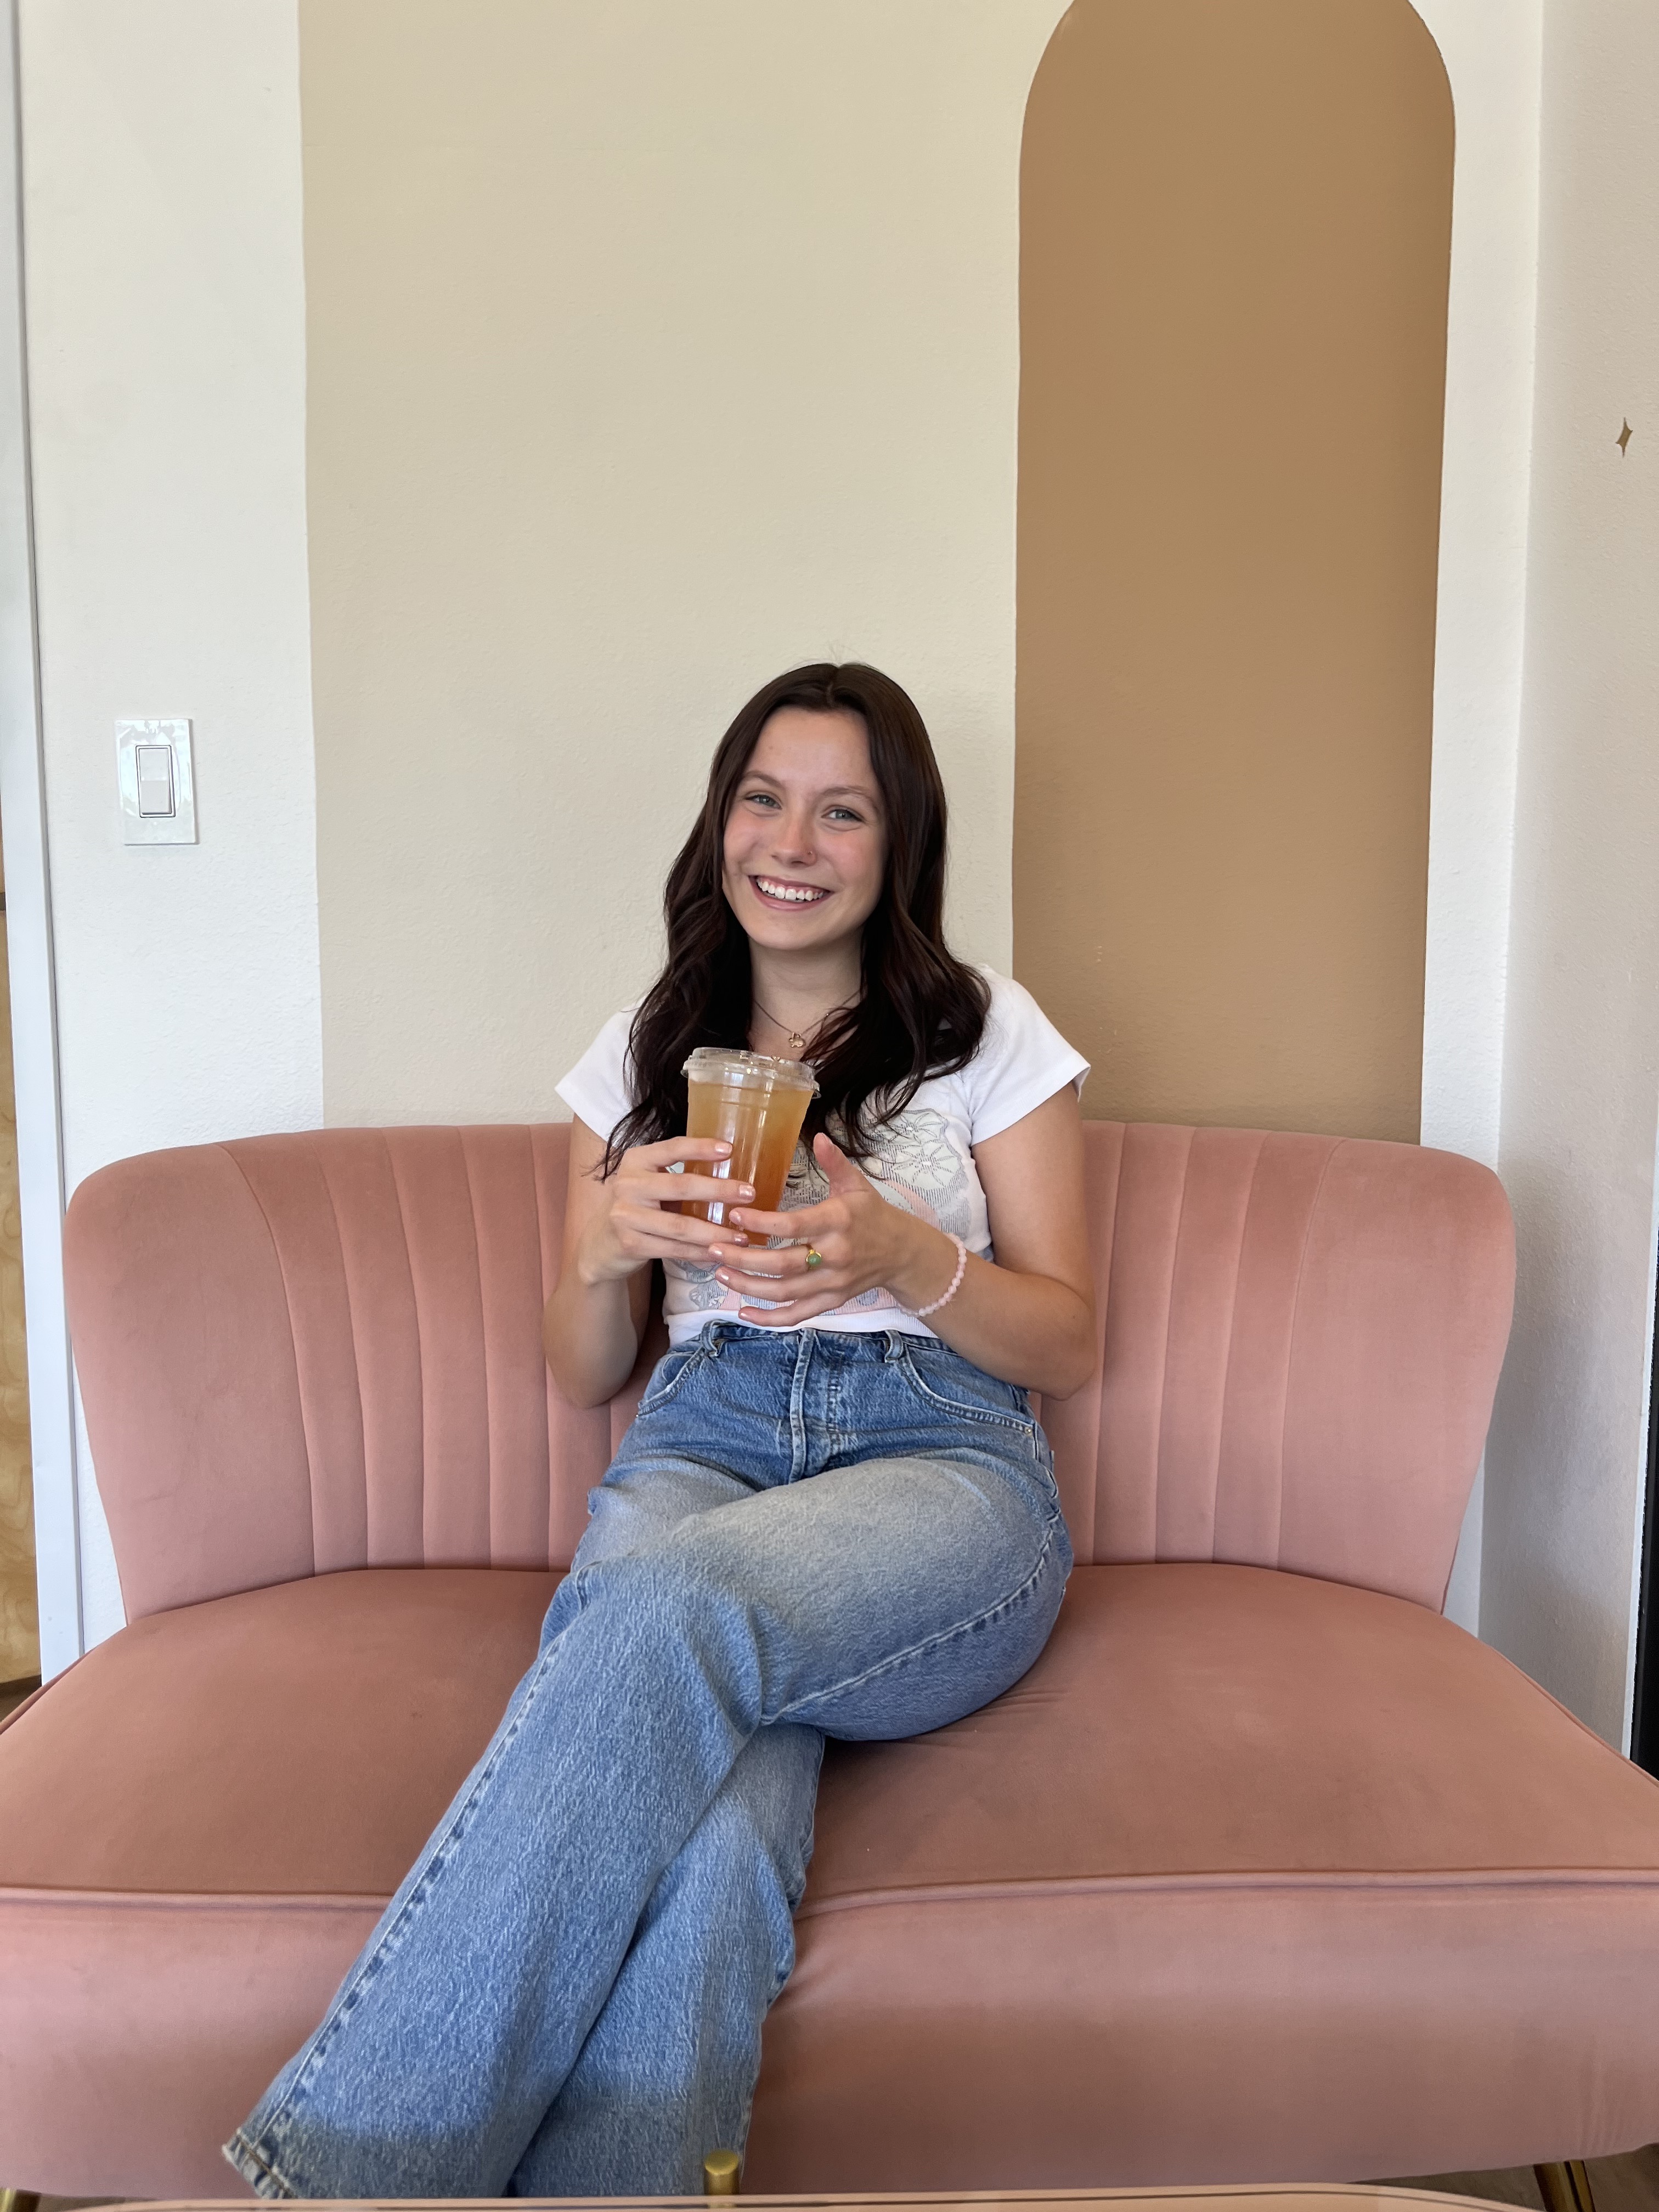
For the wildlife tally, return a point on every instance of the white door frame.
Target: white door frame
(29, 916)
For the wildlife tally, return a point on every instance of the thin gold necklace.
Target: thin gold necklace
(797, 1038)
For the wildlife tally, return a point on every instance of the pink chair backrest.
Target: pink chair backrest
(303, 1353)
(1301, 1339)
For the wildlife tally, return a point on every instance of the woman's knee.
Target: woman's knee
(944, 1678)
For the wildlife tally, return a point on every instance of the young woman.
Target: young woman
(833, 1515)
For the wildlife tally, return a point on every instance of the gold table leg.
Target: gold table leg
(19, 2200)
(1565, 2186)
(720, 2170)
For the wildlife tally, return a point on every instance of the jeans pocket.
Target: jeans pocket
(668, 1376)
(946, 1384)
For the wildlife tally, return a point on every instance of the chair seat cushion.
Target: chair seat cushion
(1251, 1876)
(199, 1825)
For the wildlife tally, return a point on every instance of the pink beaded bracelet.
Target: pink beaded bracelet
(921, 1312)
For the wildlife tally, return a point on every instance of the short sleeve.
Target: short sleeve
(1022, 1061)
(598, 1089)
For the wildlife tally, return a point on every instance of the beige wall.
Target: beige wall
(1236, 232)
(652, 348)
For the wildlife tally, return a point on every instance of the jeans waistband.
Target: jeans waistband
(850, 1344)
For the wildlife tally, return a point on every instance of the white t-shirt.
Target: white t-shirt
(922, 1161)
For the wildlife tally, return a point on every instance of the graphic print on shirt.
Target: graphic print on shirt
(913, 1165)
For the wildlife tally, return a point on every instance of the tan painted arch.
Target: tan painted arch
(1235, 249)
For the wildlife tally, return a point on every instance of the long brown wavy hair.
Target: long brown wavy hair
(920, 1012)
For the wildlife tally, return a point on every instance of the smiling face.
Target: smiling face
(805, 843)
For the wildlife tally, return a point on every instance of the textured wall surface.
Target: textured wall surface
(1565, 1466)
(1236, 229)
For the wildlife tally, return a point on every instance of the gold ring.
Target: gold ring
(814, 1257)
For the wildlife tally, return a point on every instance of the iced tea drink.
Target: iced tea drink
(757, 1105)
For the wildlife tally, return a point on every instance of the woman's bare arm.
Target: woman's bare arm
(614, 1228)
(1033, 1179)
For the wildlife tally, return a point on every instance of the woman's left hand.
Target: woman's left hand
(865, 1243)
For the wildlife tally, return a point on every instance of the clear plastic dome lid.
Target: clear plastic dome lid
(747, 1071)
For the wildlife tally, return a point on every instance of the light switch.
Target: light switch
(154, 780)
(157, 782)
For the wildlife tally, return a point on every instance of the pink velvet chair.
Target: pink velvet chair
(1265, 1871)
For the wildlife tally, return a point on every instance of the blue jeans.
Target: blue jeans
(804, 1534)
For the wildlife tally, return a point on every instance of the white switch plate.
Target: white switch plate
(178, 827)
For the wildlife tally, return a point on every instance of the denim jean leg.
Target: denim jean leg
(668, 2073)
(876, 1600)
(873, 1599)
(444, 2046)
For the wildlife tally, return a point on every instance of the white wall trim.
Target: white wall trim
(28, 915)
(1638, 1534)
(1493, 55)
(1580, 1085)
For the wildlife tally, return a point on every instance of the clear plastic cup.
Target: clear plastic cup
(757, 1105)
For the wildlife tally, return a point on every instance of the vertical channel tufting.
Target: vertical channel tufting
(1403, 1313)
(1072, 1424)
(286, 1177)
(185, 1352)
(357, 1169)
(1250, 1471)
(1149, 1204)
(1204, 1287)
(429, 1169)
(577, 1437)
(500, 1182)
(301, 1352)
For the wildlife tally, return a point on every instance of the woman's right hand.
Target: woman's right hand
(633, 1217)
